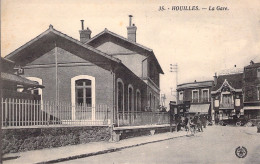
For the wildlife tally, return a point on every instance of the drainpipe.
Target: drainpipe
(114, 99)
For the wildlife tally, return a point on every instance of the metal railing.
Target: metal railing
(20, 112)
(226, 105)
(142, 118)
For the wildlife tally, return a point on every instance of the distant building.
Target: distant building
(194, 97)
(237, 93)
(227, 95)
(14, 86)
(251, 89)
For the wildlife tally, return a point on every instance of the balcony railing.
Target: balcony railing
(195, 100)
(204, 100)
(229, 106)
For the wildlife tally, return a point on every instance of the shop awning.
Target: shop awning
(202, 108)
(251, 107)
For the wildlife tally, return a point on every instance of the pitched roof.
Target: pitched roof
(51, 38)
(6, 65)
(99, 39)
(255, 65)
(234, 80)
(19, 80)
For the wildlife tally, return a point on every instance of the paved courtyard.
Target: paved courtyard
(215, 145)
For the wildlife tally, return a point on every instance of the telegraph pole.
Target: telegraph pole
(174, 69)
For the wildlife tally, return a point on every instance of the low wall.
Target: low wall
(143, 132)
(24, 139)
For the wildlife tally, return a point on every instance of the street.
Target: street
(216, 145)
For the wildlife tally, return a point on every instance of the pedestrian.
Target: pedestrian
(204, 121)
(199, 124)
(187, 126)
(186, 120)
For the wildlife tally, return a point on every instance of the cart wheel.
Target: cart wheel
(238, 123)
(249, 124)
(221, 123)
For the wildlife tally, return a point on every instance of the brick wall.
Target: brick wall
(44, 68)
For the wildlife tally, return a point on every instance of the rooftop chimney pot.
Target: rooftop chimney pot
(82, 24)
(130, 20)
(85, 35)
(131, 30)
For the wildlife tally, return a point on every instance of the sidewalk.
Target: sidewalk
(53, 155)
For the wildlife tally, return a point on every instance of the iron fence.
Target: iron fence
(20, 112)
(142, 118)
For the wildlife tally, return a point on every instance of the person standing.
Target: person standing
(204, 121)
(199, 123)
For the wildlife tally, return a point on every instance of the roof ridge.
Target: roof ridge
(51, 29)
(117, 35)
(87, 46)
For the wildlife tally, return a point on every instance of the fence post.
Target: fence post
(93, 113)
(2, 112)
(16, 114)
(48, 114)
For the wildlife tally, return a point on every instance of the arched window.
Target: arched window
(83, 92)
(130, 98)
(154, 102)
(120, 95)
(138, 100)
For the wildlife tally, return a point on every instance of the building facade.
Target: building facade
(194, 97)
(237, 93)
(107, 69)
(251, 90)
(227, 95)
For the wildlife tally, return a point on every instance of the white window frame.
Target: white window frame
(132, 103)
(195, 90)
(181, 93)
(202, 93)
(226, 93)
(258, 72)
(119, 80)
(93, 94)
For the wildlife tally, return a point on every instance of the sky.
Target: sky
(200, 42)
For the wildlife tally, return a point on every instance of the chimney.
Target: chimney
(215, 79)
(131, 30)
(85, 35)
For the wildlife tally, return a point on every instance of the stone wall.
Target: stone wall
(24, 139)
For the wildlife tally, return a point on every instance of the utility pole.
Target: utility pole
(56, 76)
(174, 69)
